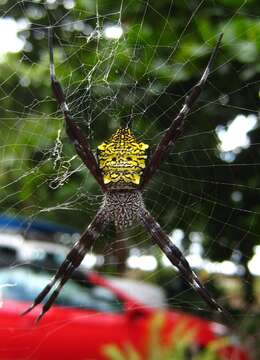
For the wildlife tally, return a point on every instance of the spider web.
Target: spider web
(114, 71)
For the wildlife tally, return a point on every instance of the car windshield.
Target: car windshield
(24, 284)
(7, 255)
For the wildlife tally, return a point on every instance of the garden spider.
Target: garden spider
(122, 170)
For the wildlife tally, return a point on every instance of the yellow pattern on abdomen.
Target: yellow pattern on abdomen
(122, 158)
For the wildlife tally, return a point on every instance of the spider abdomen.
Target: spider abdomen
(123, 207)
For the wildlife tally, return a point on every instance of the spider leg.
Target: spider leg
(177, 259)
(72, 261)
(175, 129)
(80, 142)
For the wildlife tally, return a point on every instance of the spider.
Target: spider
(122, 169)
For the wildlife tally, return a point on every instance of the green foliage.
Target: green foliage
(180, 346)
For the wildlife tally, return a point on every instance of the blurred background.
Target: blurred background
(136, 60)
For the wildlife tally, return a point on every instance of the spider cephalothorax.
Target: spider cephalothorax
(123, 207)
(122, 171)
(122, 158)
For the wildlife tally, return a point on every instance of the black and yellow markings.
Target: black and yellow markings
(122, 158)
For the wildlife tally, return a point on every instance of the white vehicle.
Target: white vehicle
(14, 249)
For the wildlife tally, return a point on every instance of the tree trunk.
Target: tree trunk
(120, 251)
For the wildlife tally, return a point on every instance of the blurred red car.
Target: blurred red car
(89, 314)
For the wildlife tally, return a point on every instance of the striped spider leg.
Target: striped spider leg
(175, 129)
(178, 260)
(72, 261)
(78, 139)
